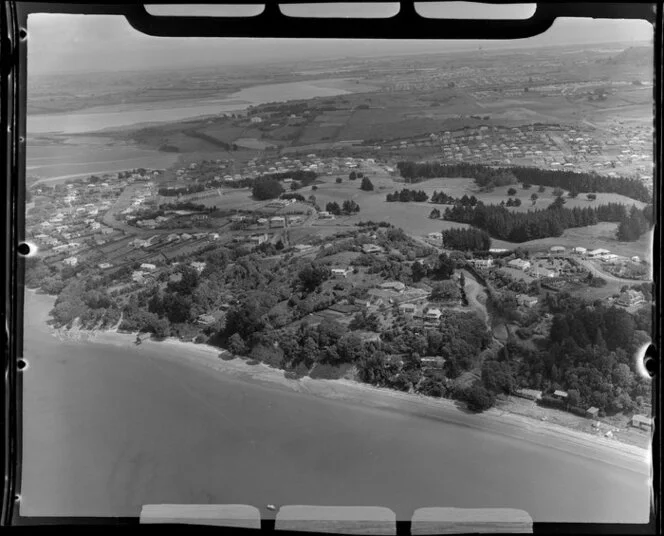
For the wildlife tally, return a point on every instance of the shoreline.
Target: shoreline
(494, 420)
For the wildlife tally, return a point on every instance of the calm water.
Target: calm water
(102, 117)
(107, 430)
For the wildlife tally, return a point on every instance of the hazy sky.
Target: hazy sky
(78, 43)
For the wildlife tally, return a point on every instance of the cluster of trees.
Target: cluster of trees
(441, 198)
(266, 188)
(485, 176)
(634, 224)
(467, 239)
(366, 185)
(347, 207)
(355, 175)
(520, 227)
(511, 202)
(407, 195)
(590, 354)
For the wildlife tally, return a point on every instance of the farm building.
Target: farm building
(519, 264)
(598, 252)
(557, 249)
(580, 250)
(641, 421)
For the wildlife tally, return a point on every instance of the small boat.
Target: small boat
(271, 507)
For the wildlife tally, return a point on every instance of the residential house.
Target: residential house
(259, 239)
(557, 249)
(519, 264)
(641, 421)
(526, 301)
(630, 298)
(579, 250)
(198, 266)
(433, 315)
(371, 248)
(396, 286)
(205, 320)
(341, 272)
(105, 265)
(592, 412)
(598, 252)
(529, 394)
(70, 261)
(560, 395)
(235, 218)
(277, 221)
(481, 263)
(407, 308)
(436, 237)
(148, 267)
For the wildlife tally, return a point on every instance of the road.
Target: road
(592, 267)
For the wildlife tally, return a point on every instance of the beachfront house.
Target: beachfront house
(641, 421)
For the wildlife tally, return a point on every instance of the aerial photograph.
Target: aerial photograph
(375, 273)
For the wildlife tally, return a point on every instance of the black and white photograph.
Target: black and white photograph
(396, 274)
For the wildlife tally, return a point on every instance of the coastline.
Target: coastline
(494, 420)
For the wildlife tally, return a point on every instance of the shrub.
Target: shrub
(479, 398)
(338, 181)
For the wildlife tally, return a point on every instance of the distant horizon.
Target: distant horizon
(93, 41)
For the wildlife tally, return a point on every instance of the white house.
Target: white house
(397, 286)
(105, 265)
(148, 267)
(407, 308)
(598, 252)
(482, 263)
(527, 301)
(256, 120)
(277, 221)
(259, 238)
(198, 266)
(237, 218)
(433, 315)
(519, 264)
(341, 272)
(580, 250)
(630, 298)
(635, 258)
(70, 261)
(557, 249)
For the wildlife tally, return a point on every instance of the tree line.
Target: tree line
(503, 224)
(488, 177)
(466, 239)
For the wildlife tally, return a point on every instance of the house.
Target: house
(325, 215)
(482, 263)
(527, 301)
(519, 264)
(407, 308)
(138, 277)
(635, 258)
(397, 286)
(235, 218)
(70, 261)
(609, 257)
(341, 272)
(262, 221)
(529, 394)
(149, 267)
(256, 120)
(579, 250)
(105, 265)
(598, 252)
(433, 315)
(198, 266)
(630, 298)
(557, 249)
(641, 421)
(592, 412)
(560, 395)
(302, 247)
(437, 237)
(277, 221)
(371, 248)
(259, 239)
(205, 319)
(543, 272)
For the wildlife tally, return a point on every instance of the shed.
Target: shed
(592, 412)
(560, 394)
